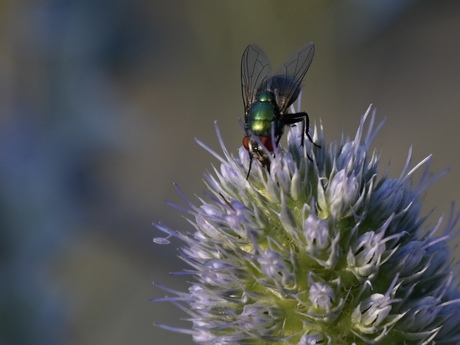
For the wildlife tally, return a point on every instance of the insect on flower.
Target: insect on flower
(267, 99)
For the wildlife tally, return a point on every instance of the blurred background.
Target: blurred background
(99, 105)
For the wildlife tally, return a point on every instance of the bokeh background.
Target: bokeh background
(99, 105)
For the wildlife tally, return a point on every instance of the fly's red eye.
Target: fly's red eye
(246, 142)
(267, 142)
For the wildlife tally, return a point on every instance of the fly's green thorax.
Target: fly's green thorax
(262, 113)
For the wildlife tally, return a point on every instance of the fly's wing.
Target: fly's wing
(255, 69)
(285, 84)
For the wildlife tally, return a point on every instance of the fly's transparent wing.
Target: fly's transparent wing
(285, 84)
(255, 69)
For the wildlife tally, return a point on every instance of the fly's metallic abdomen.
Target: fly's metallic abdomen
(262, 113)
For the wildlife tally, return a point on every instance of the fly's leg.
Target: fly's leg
(250, 166)
(290, 119)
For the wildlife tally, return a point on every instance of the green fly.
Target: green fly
(267, 99)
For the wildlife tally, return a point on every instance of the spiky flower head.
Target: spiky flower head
(318, 250)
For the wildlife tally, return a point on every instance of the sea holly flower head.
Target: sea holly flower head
(318, 249)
